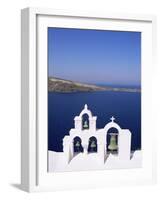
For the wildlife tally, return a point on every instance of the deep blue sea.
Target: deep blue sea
(63, 107)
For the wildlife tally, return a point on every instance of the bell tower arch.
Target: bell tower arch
(89, 123)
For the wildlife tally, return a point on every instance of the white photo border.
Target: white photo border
(34, 146)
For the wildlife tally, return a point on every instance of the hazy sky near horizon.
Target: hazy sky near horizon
(95, 56)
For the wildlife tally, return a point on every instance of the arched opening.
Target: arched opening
(92, 145)
(85, 122)
(77, 145)
(112, 140)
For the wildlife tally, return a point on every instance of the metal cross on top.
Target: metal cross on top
(112, 119)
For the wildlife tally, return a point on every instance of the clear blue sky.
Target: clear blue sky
(95, 56)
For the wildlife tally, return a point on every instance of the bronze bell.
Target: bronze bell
(85, 125)
(77, 144)
(93, 144)
(112, 146)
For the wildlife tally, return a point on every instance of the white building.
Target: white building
(87, 139)
(89, 148)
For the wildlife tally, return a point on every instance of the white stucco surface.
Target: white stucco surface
(57, 162)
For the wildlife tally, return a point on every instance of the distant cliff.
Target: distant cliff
(61, 85)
